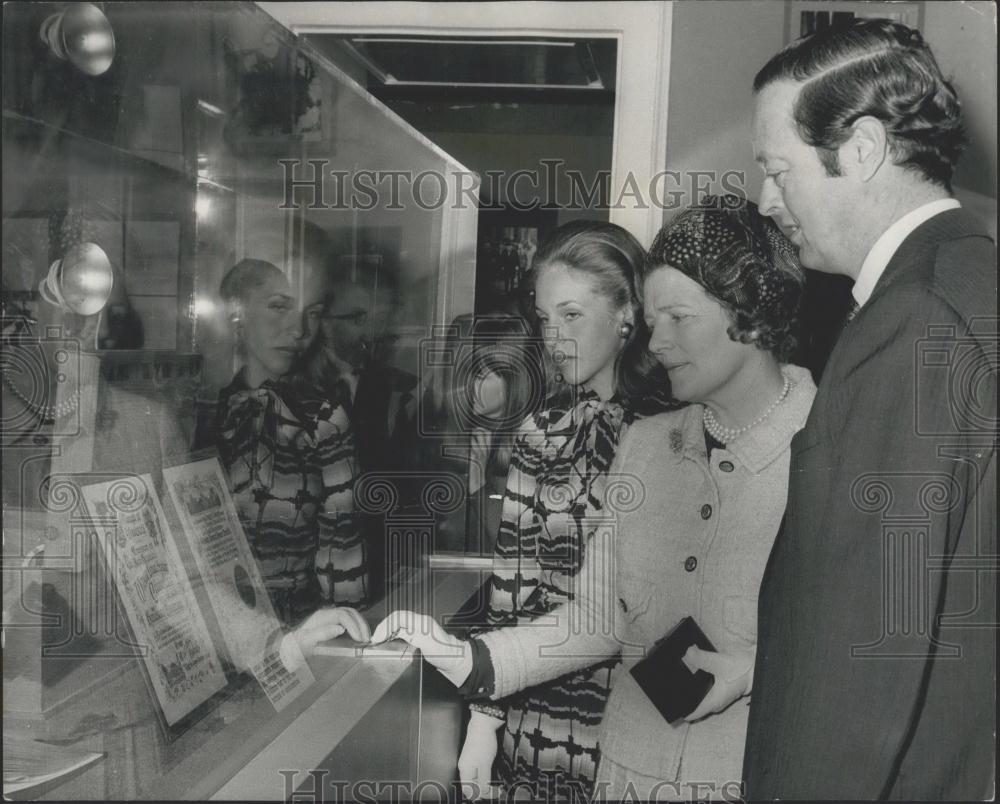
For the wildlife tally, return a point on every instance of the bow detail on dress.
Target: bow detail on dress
(573, 475)
(250, 420)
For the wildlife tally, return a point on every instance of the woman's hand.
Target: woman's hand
(321, 626)
(475, 763)
(733, 678)
(450, 655)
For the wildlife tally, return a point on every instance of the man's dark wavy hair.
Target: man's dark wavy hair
(877, 68)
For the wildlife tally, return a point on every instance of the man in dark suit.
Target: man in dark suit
(348, 332)
(877, 613)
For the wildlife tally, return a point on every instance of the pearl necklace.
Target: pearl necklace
(46, 412)
(724, 434)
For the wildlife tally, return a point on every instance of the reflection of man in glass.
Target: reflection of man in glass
(348, 335)
(347, 359)
(341, 327)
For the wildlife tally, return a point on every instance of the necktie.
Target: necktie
(853, 311)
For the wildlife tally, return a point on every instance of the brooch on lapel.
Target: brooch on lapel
(676, 440)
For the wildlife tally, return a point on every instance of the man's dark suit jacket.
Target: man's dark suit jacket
(876, 647)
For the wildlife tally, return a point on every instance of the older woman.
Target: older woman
(289, 455)
(720, 295)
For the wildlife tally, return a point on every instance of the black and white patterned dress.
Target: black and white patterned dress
(292, 469)
(554, 497)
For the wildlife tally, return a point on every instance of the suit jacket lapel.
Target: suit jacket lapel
(921, 244)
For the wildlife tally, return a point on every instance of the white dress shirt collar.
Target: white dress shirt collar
(886, 246)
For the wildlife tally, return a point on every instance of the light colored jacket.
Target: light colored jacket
(695, 538)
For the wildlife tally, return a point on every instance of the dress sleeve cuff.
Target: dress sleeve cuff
(490, 709)
(481, 681)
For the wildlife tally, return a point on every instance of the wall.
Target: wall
(717, 47)
(964, 39)
(495, 133)
(643, 28)
(581, 137)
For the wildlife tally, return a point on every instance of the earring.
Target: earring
(625, 330)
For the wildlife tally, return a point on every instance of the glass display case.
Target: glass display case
(150, 147)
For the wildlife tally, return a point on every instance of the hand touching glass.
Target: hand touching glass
(450, 655)
(320, 626)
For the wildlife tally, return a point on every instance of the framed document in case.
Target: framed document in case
(181, 663)
(231, 578)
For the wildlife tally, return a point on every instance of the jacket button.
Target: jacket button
(726, 466)
(706, 511)
(690, 563)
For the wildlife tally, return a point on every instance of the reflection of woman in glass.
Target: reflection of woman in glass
(585, 297)
(290, 457)
(480, 398)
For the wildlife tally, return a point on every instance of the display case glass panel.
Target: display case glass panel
(150, 147)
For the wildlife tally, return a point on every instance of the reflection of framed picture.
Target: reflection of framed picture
(152, 256)
(505, 250)
(281, 101)
(158, 315)
(804, 17)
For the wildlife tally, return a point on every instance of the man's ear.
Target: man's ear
(866, 150)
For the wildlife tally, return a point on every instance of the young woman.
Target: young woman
(720, 295)
(289, 455)
(588, 310)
